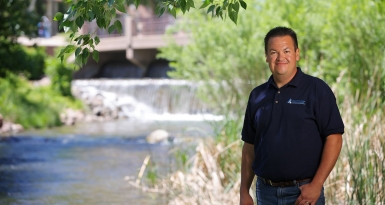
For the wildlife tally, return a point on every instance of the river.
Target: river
(89, 163)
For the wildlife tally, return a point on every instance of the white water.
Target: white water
(148, 99)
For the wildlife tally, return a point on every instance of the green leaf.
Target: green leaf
(58, 16)
(113, 13)
(136, 2)
(191, 4)
(97, 40)
(96, 11)
(111, 29)
(173, 11)
(79, 59)
(233, 15)
(120, 7)
(110, 2)
(211, 9)
(91, 15)
(183, 5)
(243, 4)
(101, 22)
(74, 27)
(205, 4)
(86, 40)
(67, 23)
(91, 43)
(161, 12)
(217, 10)
(225, 3)
(62, 51)
(118, 26)
(236, 6)
(85, 55)
(80, 21)
(78, 50)
(69, 48)
(95, 55)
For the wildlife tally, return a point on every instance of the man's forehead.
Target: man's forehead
(283, 42)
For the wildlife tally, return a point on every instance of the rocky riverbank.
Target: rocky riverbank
(7, 128)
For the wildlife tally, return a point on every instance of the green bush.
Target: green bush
(32, 107)
(60, 74)
(20, 60)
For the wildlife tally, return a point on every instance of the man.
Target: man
(292, 130)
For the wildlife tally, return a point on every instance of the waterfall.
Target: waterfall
(157, 99)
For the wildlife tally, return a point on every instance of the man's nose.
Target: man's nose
(279, 56)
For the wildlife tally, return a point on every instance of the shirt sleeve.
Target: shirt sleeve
(248, 130)
(329, 119)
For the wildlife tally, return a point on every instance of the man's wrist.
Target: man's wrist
(244, 190)
(317, 184)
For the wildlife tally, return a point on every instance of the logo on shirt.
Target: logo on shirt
(297, 102)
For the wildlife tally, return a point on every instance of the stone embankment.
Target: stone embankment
(8, 127)
(103, 105)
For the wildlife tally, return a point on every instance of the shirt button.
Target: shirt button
(276, 101)
(279, 92)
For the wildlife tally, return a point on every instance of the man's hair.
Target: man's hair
(279, 32)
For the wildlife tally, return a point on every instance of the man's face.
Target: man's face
(282, 56)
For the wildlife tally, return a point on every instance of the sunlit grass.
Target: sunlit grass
(213, 174)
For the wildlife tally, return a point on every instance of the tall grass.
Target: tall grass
(358, 177)
(213, 174)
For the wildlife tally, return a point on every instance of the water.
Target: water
(88, 163)
(144, 98)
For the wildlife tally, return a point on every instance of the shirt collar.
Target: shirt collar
(294, 82)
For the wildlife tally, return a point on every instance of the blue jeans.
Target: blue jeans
(269, 195)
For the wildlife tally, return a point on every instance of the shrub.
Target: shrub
(20, 60)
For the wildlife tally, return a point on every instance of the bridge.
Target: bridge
(131, 54)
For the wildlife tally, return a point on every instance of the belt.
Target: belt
(284, 183)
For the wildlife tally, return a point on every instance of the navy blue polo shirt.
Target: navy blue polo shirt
(288, 126)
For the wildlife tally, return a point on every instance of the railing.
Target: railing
(151, 26)
(140, 26)
(92, 27)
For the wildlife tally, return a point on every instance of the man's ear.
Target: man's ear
(297, 56)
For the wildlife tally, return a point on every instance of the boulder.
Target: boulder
(157, 136)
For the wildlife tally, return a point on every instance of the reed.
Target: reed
(212, 174)
(358, 177)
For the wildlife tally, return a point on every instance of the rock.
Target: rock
(157, 136)
(9, 128)
(71, 117)
(16, 128)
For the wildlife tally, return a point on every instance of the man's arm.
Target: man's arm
(247, 174)
(311, 192)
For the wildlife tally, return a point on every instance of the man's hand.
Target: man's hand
(246, 199)
(247, 174)
(309, 194)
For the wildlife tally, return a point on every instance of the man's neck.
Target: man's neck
(281, 80)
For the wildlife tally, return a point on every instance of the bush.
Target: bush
(20, 60)
(32, 107)
(60, 74)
